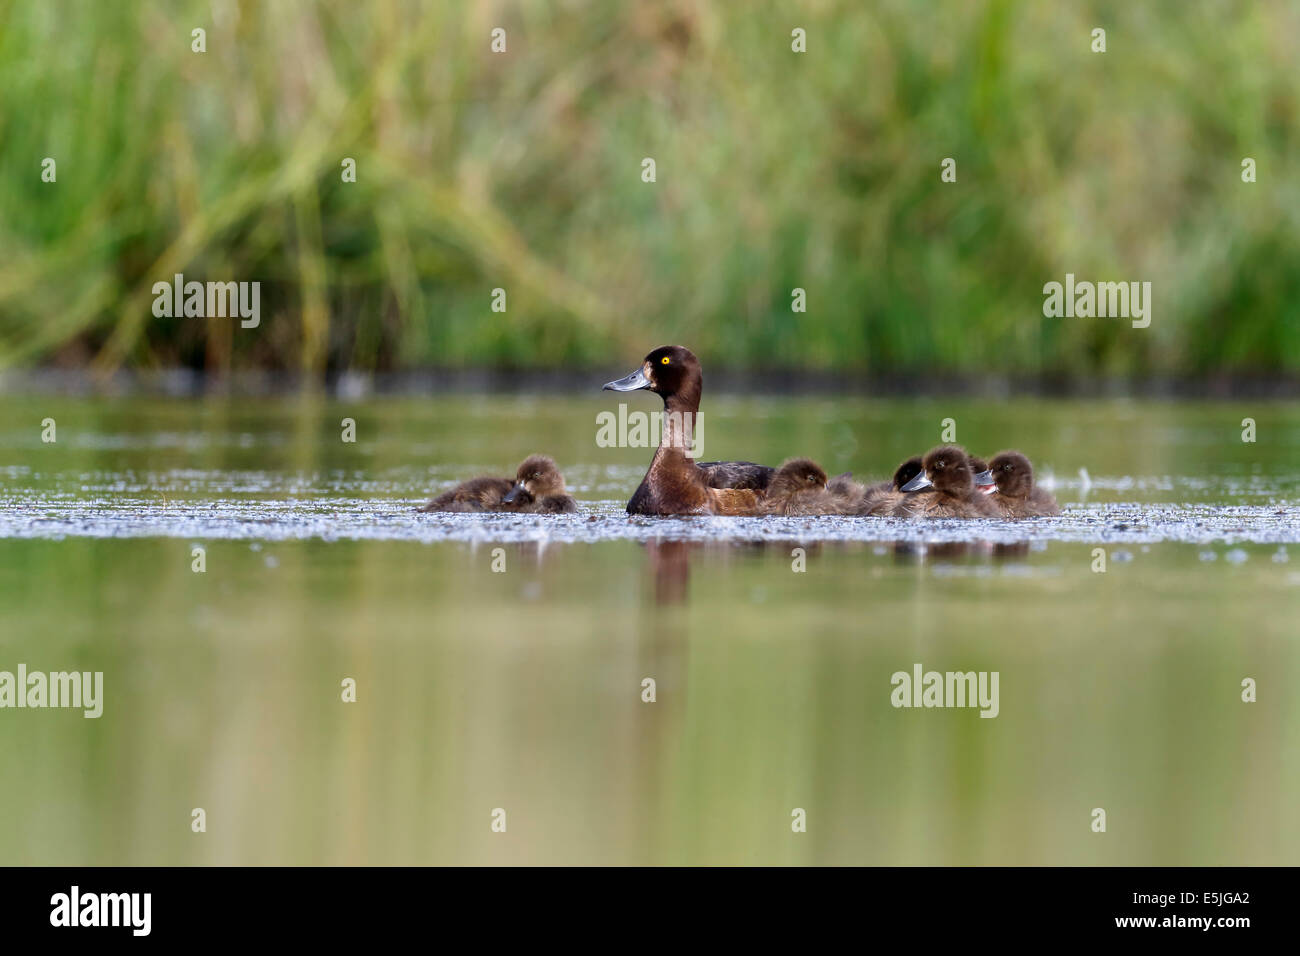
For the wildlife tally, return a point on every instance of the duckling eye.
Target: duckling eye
(665, 360)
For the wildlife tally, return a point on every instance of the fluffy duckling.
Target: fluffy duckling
(800, 487)
(1014, 493)
(538, 488)
(797, 488)
(945, 489)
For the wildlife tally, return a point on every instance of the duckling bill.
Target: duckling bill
(1014, 493)
(537, 488)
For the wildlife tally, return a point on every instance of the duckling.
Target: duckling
(797, 488)
(477, 494)
(800, 487)
(950, 487)
(538, 488)
(1014, 493)
(880, 498)
(674, 484)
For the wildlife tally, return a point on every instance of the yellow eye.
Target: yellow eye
(665, 360)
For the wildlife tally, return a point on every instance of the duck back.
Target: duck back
(736, 474)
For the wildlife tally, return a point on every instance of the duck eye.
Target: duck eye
(665, 360)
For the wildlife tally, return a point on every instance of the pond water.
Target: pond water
(499, 661)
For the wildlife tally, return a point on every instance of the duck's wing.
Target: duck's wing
(736, 474)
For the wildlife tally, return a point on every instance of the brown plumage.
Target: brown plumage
(538, 488)
(797, 488)
(882, 497)
(800, 487)
(949, 484)
(477, 494)
(674, 484)
(1016, 496)
(736, 474)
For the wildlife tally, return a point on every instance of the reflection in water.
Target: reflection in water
(670, 561)
(915, 552)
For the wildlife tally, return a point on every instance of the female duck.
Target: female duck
(1014, 493)
(674, 484)
(949, 489)
(538, 488)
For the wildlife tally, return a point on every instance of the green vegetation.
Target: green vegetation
(775, 170)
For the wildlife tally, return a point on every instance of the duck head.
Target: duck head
(1013, 474)
(947, 469)
(670, 371)
(907, 471)
(536, 478)
(797, 474)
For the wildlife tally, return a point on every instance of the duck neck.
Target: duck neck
(681, 428)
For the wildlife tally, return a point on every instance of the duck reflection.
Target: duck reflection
(670, 563)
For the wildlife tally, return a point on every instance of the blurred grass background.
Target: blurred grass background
(775, 170)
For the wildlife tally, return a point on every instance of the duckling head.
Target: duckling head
(947, 470)
(536, 478)
(796, 474)
(907, 471)
(1013, 473)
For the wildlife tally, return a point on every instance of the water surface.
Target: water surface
(521, 688)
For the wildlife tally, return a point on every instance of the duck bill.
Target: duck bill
(631, 383)
(916, 484)
(985, 478)
(515, 493)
